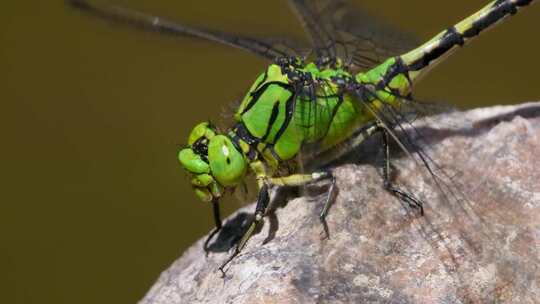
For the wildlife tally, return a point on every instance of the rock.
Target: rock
(478, 242)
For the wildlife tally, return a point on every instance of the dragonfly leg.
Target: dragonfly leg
(359, 137)
(260, 209)
(392, 188)
(217, 220)
(327, 203)
(299, 179)
(302, 179)
(264, 198)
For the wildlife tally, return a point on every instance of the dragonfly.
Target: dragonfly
(313, 103)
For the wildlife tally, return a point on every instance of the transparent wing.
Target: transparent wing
(325, 116)
(338, 29)
(268, 48)
(398, 123)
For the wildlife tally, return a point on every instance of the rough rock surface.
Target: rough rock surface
(478, 246)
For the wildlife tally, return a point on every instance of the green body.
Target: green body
(326, 120)
(322, 108)
(293, 105)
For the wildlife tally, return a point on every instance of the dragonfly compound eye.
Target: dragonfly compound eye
(227, 164)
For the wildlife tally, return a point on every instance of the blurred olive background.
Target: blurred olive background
(94, 204)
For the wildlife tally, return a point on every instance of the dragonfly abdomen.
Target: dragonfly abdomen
(421, 59)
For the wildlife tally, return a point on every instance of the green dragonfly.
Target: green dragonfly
(320, 101)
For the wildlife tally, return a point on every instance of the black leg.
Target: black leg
(389, 186)
(217, 220)
(260, 209)
(328, 203)
(304, 179)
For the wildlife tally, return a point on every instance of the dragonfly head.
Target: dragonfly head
(213, 162)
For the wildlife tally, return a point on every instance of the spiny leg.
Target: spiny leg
(302, 179)
(264, 198)
(389, 186)
(326, 207)
(358, 138)
(260, 209)
(217, 220)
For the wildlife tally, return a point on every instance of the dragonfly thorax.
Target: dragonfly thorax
(292, 104)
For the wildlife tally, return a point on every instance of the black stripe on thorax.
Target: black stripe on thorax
(290, 106)
(334, 110)
(272, 120)
(273, 152)
(235, 139)
(240, 132)
(262, 80)
(257, 94)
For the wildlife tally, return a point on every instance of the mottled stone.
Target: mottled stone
(478, 242)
